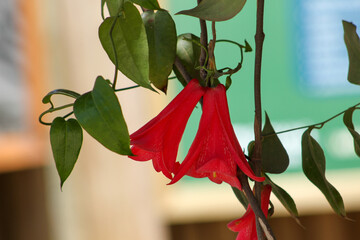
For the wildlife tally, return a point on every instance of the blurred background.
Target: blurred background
(46, 45)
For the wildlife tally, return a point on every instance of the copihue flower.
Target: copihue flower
(215, 152)
(159, 139)
(246, 225)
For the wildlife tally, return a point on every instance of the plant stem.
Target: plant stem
(127, 88)
(316, 125)
(204, 42)
(115, 53)
(256, 158)
(182, 70)
(256, 207)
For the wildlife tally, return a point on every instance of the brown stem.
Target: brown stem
(204, 42)
(255, 206)
(182, 70)
(213, 29)
(259, 40)
(211, 48)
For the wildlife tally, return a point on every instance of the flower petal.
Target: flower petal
(159, 139)
(246, 225)
(215, 152)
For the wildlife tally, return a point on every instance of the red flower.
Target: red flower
(246, 225)
(215, 152)
(159, 139)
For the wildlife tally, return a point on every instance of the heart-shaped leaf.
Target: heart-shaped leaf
(313, 163)
(148, 4)
(274, 156)
(66, 139)
(99, 113)
(352, 43)
(188, 53)
(161, 35)
(285, 199)
(215, 10)
(130, 44)
(348, 116)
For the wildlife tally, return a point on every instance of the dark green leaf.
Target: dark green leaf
(148, 4)
(348, 116)
(285, 199)
(188, 52)
(352, 43)
(114, 6)
(247, 47)
(161, 35)
(241, 197)
(228, 82)
(250, 147)
(216, 10)
(131, 45)
(274, 156)
(66, 140)
(313, 162)
(99, 113)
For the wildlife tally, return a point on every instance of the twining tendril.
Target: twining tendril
(205, 49)
(47, 99)
(231, 71)
(52, 109)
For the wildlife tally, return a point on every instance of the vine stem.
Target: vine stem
(115, 53)
(204, 42)
(316, 125)
(255, 206)
(182, 69)
(127, 88)
(256, 157)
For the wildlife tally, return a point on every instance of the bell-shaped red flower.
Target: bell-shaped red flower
(159, 139)
(215, 152)
(246, 225)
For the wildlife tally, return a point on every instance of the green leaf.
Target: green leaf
(274, 156)
(215, 10)
(162, 39)
(131, 44)
(241, 197)
(313, 163)
(148, 4)
(247, 47)
(188, 53)
(250, 147)
(99, 113)
(114, 6)
(348, 116)
(285, 199)
(352, 43)
(66, 139)
(228, 82)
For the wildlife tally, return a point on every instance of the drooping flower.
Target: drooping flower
(246, 225)
(215, 152)
(159, 139)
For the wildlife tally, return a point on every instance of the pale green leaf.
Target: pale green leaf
(216, 10)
